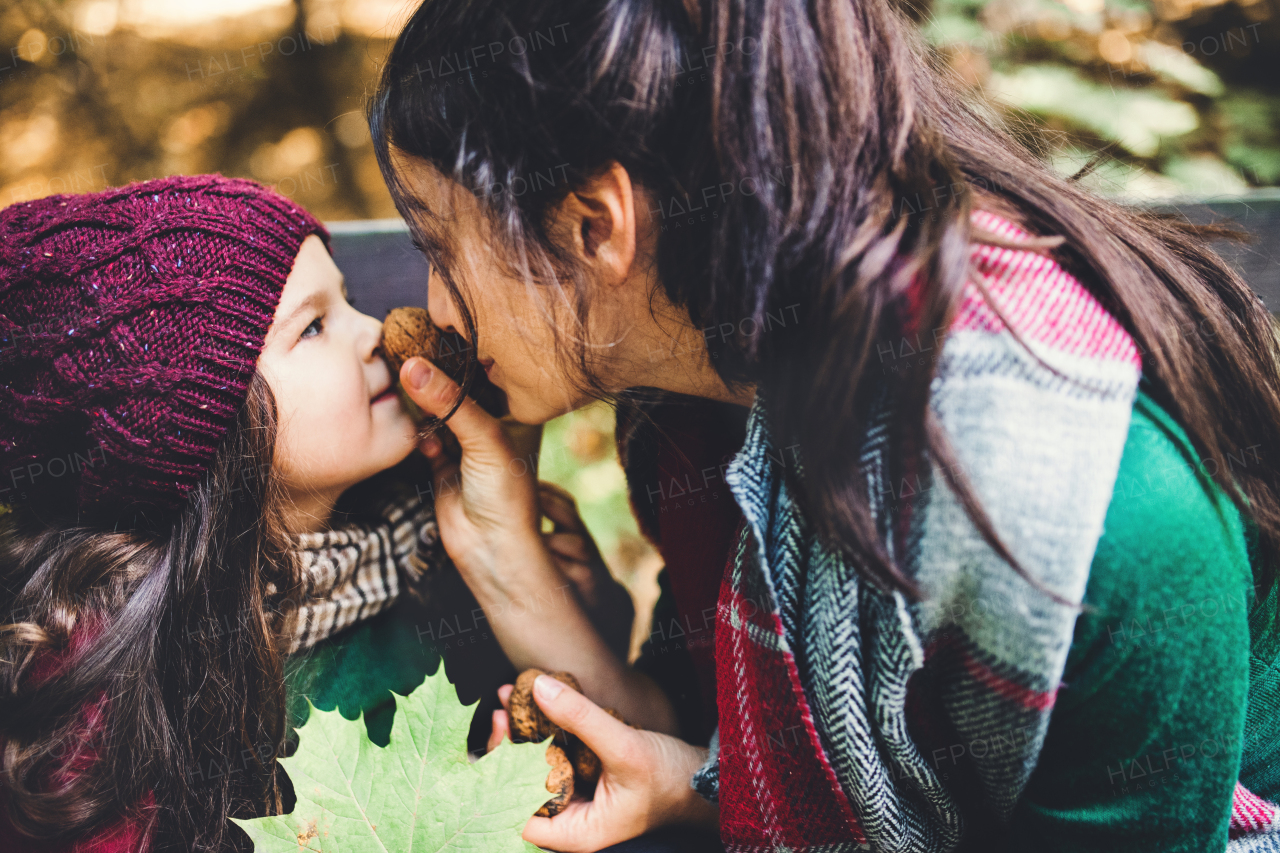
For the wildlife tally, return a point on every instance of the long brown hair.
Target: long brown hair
(186, 655)
(808, 156)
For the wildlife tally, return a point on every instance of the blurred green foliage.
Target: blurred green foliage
(1183, 96)
(580, 454)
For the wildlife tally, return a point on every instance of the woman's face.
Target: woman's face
(340, 420)
(516, 339)
(634, 336)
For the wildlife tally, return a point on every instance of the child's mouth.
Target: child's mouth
(388, 394)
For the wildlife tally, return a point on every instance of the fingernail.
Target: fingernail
(419, 374)
(547, 687)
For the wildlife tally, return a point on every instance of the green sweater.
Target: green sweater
(1176, 655)
(354, 670)
(1171, 679)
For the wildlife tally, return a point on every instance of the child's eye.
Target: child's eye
(317, 324)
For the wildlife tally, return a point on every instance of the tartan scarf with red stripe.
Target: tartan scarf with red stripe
(815, 749)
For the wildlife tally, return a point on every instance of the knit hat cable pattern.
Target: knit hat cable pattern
(131, 322)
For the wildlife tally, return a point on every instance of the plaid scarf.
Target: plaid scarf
(352, 572)
(813, 750)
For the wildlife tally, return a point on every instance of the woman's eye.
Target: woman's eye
(317, 324)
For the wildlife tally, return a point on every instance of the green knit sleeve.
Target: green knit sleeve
(1260, 762)
(1144, 744)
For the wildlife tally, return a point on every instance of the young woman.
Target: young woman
(969, 473)
(213, 507)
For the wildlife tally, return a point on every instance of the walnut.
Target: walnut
(407, 332)
(528, 723)
(559, 782)
(586, 764)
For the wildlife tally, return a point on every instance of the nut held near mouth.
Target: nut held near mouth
(409, 332)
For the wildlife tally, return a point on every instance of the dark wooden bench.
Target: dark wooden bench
(383, 270)
(1259, 214)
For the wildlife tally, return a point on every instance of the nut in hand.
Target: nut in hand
(409, 332)
(559, 782)
(528, 723)
(586, 764)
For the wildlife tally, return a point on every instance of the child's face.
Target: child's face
(340, 422)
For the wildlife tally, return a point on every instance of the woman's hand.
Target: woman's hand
(489, 512)
(644, 784)
(607, 602)
(486, 502)
(501, 719)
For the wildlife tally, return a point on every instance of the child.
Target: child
(185, 394)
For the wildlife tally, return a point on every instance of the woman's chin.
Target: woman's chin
(534, 409)
(525, 412)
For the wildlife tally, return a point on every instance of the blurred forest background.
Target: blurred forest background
(1182, 96)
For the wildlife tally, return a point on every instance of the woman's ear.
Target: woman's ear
(600, 220)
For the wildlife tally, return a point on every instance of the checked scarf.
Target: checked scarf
(813, 751)
(352, 571)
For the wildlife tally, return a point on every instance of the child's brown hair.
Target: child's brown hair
(176, 632)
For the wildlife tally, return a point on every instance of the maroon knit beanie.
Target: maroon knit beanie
(131, 322)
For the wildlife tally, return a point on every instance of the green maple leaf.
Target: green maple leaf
(419, 794)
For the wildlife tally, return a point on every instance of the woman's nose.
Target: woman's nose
(439, 306)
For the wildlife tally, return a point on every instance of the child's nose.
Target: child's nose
(370, 335)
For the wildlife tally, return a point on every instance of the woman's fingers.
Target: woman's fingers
(576, 553)
(561, 509)
(576, 572)
(431, 446)
(584, 583)
(558, 491)
(576, 829)
(644, 782)
(433, 391)
(570, 546)
(446, 477)
(501, 730)
(559, 505)
(485, 505)
(572, 711)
